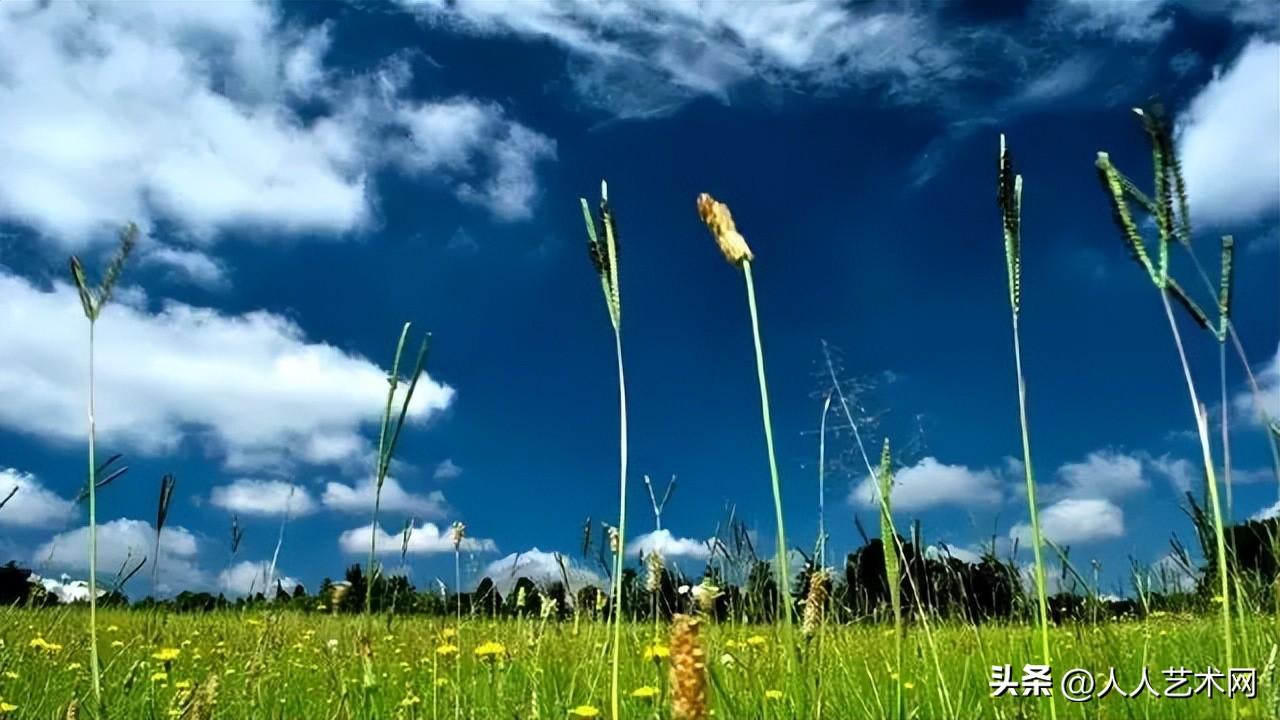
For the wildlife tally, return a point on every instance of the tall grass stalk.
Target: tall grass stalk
(734, 247)
(602, 247)
(1173, 225)
(92, 301)
(1009, 198)
(167, 484)
(822, 482)
(388, 436)
(892, 571)
(270, 580)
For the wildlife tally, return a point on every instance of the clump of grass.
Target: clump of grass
(1172, 225)
(688, 674)
(1009, 198)
(602, 247)
(92, 301)
(734, 247)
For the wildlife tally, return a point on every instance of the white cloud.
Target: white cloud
(447, 470)
(669, 546)
(359, 499)
(67, 590)
(249, 578)
(943, 551)
(1228, 140)
(1268, 377)
(1075, 521)
(425, 539)
(1267, 513)
(1124, 19)
(247, 496)
(1168, 574)
(640, 59)
(124, 542)
(543, 569)
(251, 386)
(930, 483)
(1182, 475)
(194, 266)
(33, 505)
(180, 110)
(1102, 474)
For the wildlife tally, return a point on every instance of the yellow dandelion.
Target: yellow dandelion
(183, 685)
(490, 650)
(448, 633)
(756, 641)
(166, 654)
(585, 711)
(656, 652)
(161, 676)
(447, 650)
(40, 643)
(772, 694)
(7, 707)
(645, 692)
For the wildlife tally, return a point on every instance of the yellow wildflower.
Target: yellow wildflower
(585, 711)
(772, 694)
(448, 633)
(756, 641)
(11, 674)
(645, 692)
(490, 650)
(166, 654)
(657, 651)
(182, 685)
(74, 666)
(40, 643)
(449, 650)
(161, 676)
(7, 707)
(117, 643)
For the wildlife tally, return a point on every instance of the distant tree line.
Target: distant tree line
(933, 582)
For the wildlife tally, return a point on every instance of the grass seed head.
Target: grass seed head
(653, 569)
(815, 602)
(457, 532)
(718, 219)
(688, 671)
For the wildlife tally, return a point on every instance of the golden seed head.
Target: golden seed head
(688, 671)
(815, 601)
(653, 566)
(718, 219)
(73, 710)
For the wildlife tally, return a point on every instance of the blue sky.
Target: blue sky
(309, 177)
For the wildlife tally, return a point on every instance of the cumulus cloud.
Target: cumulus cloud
(447, 470)
(930, 483)
(1124, 19)
(358, 498)
(943, 551)
(1228, 140)
(425, 539)
(543, 568)
(1102, 474)
(1270, 512)
(33, 505)
(251, 386)
(123, 543)
(249, 578)
(182, 111)
(247, 496)
(669, 546)
(1075, 521)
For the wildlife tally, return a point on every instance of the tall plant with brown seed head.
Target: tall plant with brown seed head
(1172, 225)
(92, 301)
(602, 248)
(688, 674)
(892, 567)
(734, 247)
(1009, 198)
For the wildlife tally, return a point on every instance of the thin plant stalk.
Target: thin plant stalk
(1173, 225)
(822, 482)
(167, 484)
(602, 246)
(275, 555)
(92, 301)
(1010, 201)
(889, 549)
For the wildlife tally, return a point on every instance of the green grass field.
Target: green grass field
(294, 665)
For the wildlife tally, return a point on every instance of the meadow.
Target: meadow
(273, 664)
(892, 636)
